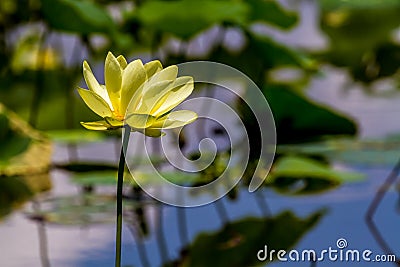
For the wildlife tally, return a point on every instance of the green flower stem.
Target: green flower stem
(121, 168)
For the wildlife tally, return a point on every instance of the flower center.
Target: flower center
(118, 115)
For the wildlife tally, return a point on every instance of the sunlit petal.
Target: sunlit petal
(122, 61)
(139, 121)
(113, 79)
(93, 84)
(133, 77)
(95, 102)
(175, 119)
(175, 96)
(168, 73)
(90, 80)
(96, 125)
(114, 122)
(151, 132)
(152, 67)
(150, 97)
(106, 97)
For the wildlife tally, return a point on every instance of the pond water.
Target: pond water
(27, 242)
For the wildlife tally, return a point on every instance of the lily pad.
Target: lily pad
(15, 190)
(301, 175)
(83, 209)
(110, 178)
(75, 136)
(25, 151)
(376, 152)
(304, 120)
(75, 210)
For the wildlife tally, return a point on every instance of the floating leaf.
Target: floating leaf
(12, 143)
(300, 175)
(109, 177)
(95, 178)
(14, 190)
(25, 151)
(75, 136)
(237, 243)
(75, 210)
(84, 209)
(351, 151)
(304, 120)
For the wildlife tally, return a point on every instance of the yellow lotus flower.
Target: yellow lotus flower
(141, 95)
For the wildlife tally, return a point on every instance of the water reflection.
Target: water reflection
(73, 226)
(176, 236)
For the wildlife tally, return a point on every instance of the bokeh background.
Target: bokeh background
(329, 70)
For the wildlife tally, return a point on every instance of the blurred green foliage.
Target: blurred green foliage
(43, 43)
(39, 76)
(362, 37)
(24, 151)
(82, 17)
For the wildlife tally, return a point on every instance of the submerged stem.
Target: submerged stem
(121, 168)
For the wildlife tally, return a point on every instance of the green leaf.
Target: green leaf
(300, 167)
(271, 12)
(23, 149)
(75, 136)
(345, 23)
(95, 178)
(300, 175)
(376, 152)
(84, 209)
(274, 54)
(80, 16)
(14, 190)
(298, 119)
(260, 55)
(176, 177)
(235, 244)
(187, 18)
(12, 143)
(357, 4)
(110, 178)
